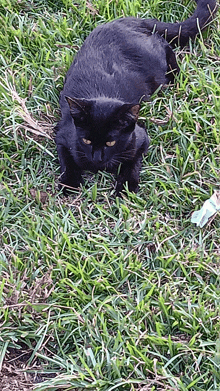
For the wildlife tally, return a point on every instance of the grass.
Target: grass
(108, 294)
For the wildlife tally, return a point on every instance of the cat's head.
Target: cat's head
(103, 127)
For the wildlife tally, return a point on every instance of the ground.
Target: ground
(13, 376)
(99, 293)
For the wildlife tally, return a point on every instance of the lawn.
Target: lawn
(100, 293)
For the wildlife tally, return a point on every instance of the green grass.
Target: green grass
(109, 294)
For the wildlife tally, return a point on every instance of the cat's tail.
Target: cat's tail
(179, 33)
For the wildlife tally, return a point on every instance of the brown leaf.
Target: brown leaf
(41, 196)
(164, 121)
(198, 127)
(151, 247)
(91, 8)
(30, 87)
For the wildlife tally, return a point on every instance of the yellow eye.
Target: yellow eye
(86, 141)
(110, 143)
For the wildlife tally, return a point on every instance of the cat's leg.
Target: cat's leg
(130, 169)
(70, 173)
(129, 173)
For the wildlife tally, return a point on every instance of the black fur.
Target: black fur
(120, 64)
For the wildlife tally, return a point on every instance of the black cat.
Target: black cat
(120, 64)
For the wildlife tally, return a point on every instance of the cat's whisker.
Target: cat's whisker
(115, 161)
(81, 153)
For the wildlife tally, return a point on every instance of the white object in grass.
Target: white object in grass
(209, 208)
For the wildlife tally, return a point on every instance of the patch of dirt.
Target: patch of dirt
(16, 375)
(13, 380)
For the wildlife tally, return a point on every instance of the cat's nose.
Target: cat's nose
(97, 156)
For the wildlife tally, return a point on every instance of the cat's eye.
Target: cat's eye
(110, 143)
(86, 141)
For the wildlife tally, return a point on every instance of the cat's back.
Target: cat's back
(109, 40)
(115, 60)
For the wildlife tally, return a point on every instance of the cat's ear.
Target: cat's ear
(134, 111)
(129, 111)
(78, 107)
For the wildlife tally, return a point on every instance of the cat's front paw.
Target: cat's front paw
(133, 186)
(67, 183)
(121, 187)
(119, 190)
